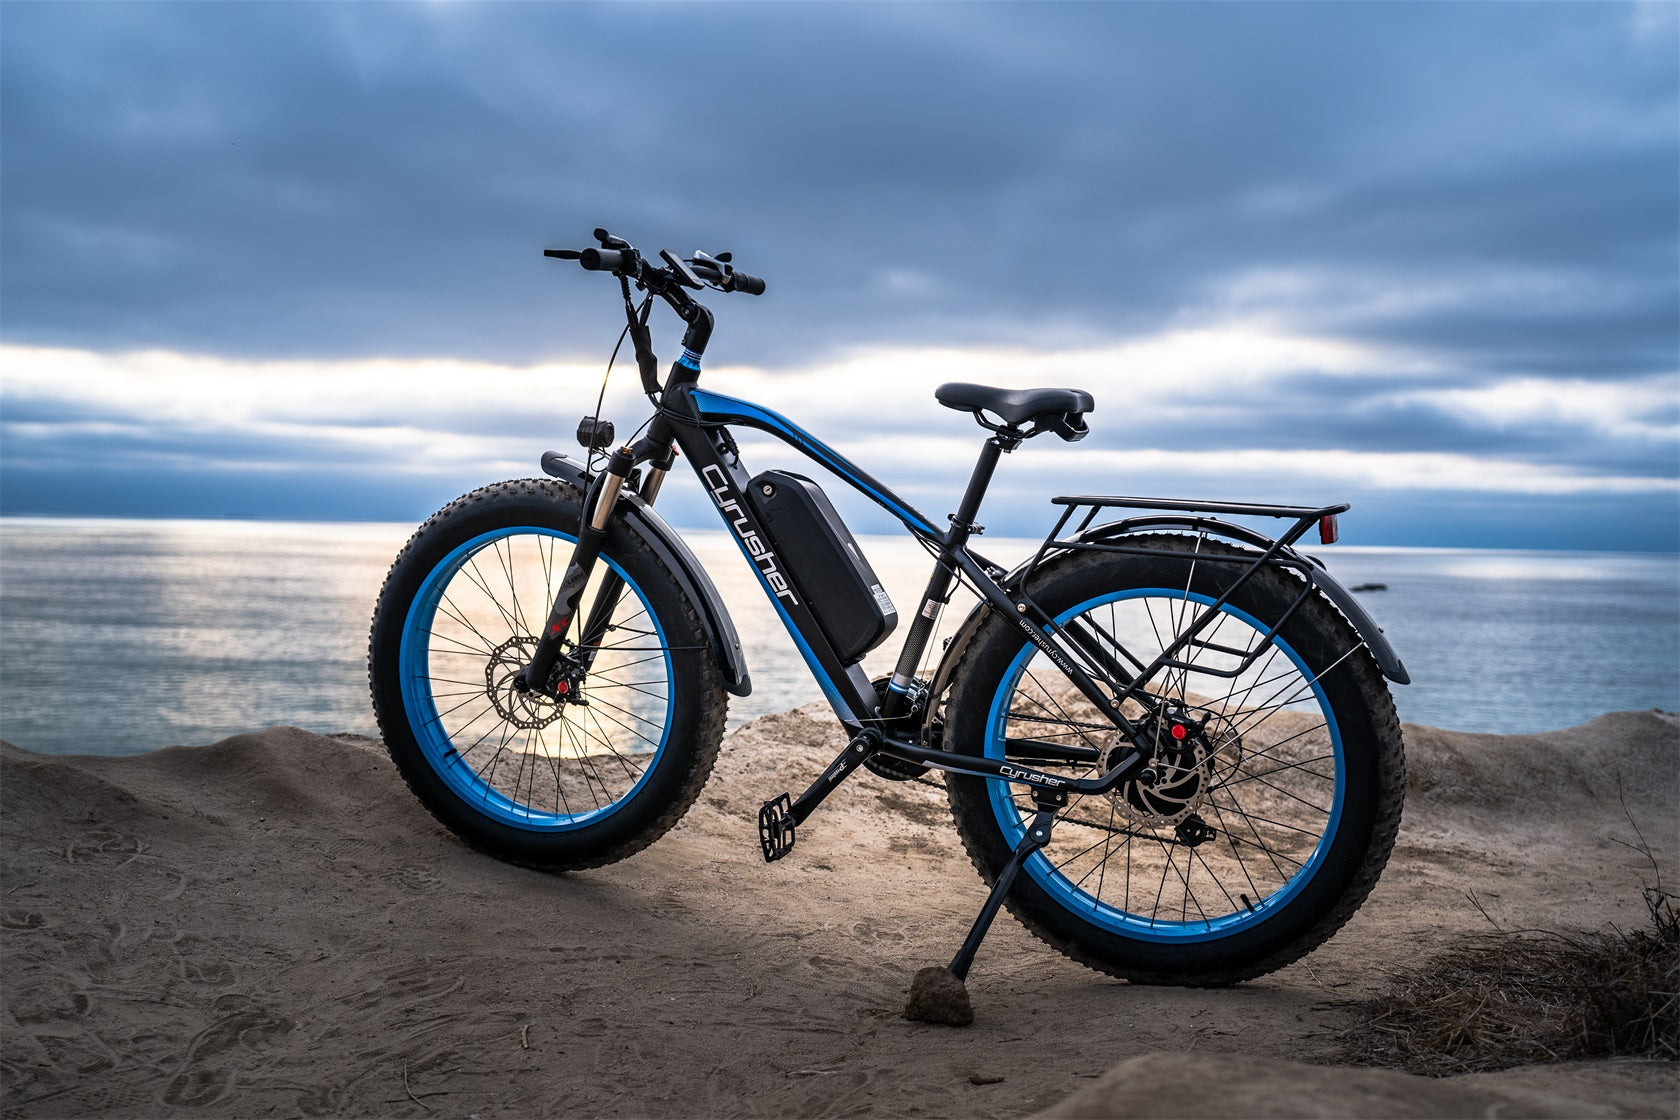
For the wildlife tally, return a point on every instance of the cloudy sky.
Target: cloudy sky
(284, 259)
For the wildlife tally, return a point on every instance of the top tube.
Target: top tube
(717, 407)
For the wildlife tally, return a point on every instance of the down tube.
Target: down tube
(847, 688)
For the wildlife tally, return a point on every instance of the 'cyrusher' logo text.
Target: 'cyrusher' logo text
(756, 548)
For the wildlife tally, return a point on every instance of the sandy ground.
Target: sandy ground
(273, 926)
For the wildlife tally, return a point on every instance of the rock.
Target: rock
(937, 996)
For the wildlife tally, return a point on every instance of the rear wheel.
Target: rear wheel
(572, 782)
(1276, 759)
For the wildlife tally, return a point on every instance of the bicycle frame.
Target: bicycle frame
(697, 421)
(1073, 693)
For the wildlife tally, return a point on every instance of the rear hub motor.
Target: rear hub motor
(1179, 767)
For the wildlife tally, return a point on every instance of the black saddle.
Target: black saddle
(1048, 410)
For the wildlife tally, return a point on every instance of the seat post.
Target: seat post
(990, 452)
(900, 699)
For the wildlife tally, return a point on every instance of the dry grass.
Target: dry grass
(1519, 998)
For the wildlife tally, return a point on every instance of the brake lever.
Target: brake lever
(714, 270)
(679, 267)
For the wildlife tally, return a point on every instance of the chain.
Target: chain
(1112, 830)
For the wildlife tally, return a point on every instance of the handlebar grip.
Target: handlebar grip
(751, 285)
(602, 260)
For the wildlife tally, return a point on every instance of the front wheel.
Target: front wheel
(556, 783)
(1276, 768)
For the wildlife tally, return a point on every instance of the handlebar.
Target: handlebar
(622, 259)
(610, 260)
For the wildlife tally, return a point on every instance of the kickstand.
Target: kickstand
(1036, 836)
(938, 995)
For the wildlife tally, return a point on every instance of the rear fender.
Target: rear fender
(1311, 566)
(1354, 611)
(675, 554)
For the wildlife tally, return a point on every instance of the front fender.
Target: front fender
(674, 552)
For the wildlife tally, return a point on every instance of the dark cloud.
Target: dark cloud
(370, 178)
(1486, 192)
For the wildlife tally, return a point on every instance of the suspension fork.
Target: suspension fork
(597, 513)
(612, 584)
(656, 448)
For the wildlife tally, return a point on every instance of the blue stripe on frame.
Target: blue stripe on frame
(718, 407)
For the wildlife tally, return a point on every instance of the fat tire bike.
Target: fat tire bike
(1167, 737)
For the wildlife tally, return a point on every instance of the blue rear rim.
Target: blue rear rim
(1144, 885)
(531, 765)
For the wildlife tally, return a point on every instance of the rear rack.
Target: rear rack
(1275, 552)
(1304, 516)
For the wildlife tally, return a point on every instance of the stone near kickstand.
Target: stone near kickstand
(937, 996)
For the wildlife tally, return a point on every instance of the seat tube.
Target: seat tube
(900, 689)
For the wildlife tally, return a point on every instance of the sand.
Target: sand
(273, 926)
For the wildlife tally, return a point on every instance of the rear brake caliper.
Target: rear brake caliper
(1175, 775)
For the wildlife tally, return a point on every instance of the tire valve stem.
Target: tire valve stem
(1246, 902)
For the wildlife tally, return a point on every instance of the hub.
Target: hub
(1185, 754)
(504, 684)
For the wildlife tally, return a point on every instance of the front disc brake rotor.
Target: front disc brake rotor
(523, 709)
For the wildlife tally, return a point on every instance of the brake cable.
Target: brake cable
(631, 317)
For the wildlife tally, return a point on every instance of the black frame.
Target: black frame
(696, 421)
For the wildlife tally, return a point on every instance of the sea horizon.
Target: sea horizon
(199, 628)
(686, 527)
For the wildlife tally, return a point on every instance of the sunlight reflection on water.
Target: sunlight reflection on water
(123, 636)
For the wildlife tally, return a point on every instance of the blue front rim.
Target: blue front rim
(1227, 904)
(589, 760)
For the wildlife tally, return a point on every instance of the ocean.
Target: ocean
(118, 637)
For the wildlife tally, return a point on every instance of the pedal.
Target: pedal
(775, 828)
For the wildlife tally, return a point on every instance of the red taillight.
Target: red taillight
(1328, 531)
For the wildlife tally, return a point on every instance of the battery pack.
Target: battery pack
(826, 565)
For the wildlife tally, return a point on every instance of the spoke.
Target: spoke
(1077, 855)
(462, 650)
(1107, 846)
(1271, 822)
(1249, 777)
(524, 761)
(1161, 645)
(438, 719)
(1304, 690)
(506, 560)
(1236, 851)
(631, 771)
(1292, 796)
(1063, 716)
(475, 686)
(476, 578)
(545, 553)
(1259, 841)
(585, 766)
(447, 606)
(654, 743)
(1197, 857)
(1161, 888)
